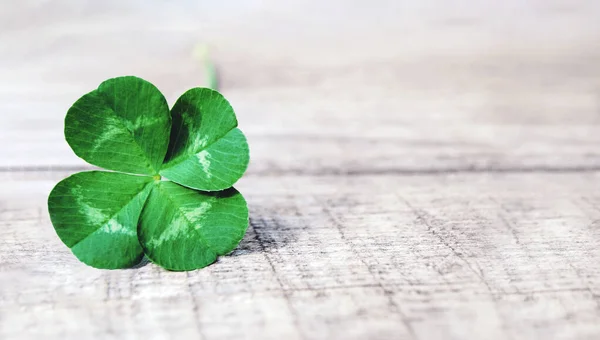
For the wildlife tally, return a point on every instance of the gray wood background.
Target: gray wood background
(420, 169)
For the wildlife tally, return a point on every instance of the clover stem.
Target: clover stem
(156, 177)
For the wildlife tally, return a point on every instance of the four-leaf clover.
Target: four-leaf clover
(110, 219)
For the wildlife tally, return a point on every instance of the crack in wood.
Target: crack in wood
(400, 171)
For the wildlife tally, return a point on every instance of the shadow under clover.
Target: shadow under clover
(144, 262)
(265, 234)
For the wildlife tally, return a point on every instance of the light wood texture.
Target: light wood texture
(420, 169)
(462, 256)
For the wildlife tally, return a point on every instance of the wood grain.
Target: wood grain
(420, 170)
(489, 102)
(490, 256)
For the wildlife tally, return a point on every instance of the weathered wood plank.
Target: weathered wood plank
(504, 96)
(499, 256)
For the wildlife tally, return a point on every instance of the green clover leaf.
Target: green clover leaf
(210, 153)
(123, 126)
(183, 229)
(111, 219)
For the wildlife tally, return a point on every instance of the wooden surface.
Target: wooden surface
(420, 170)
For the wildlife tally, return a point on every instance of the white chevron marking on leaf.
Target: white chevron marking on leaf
(204, 159)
